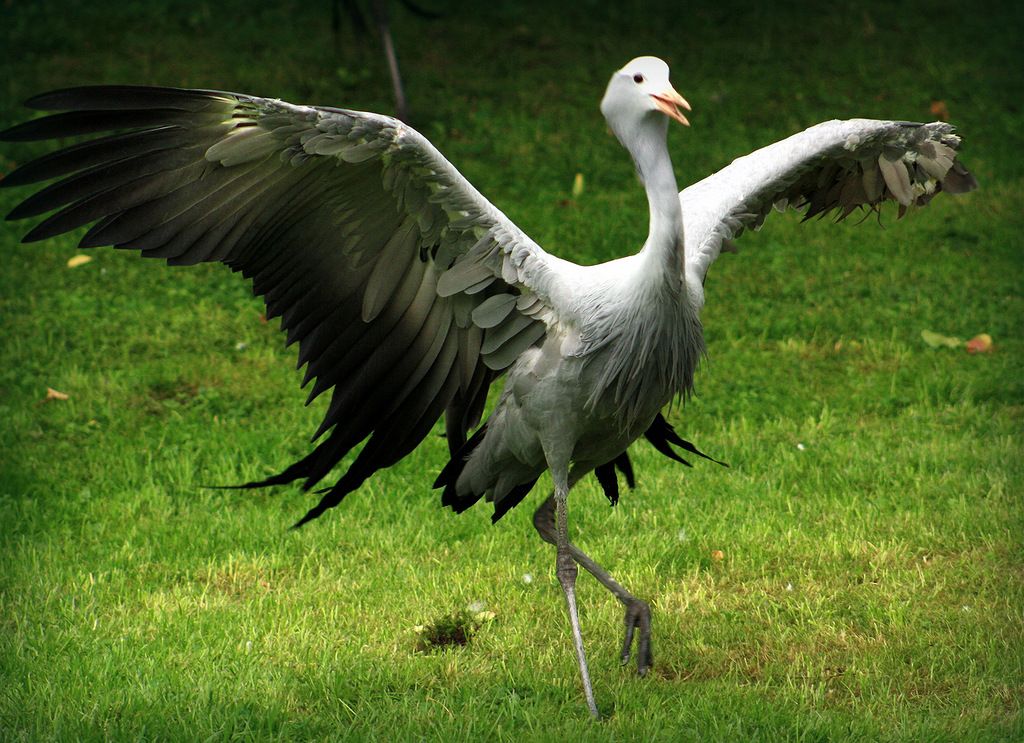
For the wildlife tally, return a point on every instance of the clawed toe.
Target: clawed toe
(638, 617)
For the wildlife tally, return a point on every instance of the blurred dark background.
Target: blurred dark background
(753, 71)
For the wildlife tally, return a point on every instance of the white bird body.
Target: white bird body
(409, 293)
(549, 402)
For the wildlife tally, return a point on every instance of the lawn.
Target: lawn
(855, 574)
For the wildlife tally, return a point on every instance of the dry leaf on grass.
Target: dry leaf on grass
(937, 340)
(938, 110)
(79, 260)
(577, 186)
(981, 343)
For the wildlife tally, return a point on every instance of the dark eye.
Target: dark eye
(638, 78)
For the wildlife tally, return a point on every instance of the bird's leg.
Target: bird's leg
(379, 8)
(638, 612)
(565, 569)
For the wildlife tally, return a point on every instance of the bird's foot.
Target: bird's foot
(638, 617)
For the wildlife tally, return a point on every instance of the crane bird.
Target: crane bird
(409, 293)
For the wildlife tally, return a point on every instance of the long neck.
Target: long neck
(656, 342)
(663, 250)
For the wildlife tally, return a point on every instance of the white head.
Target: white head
(640, 91)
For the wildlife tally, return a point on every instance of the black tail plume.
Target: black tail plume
(662, 435)
(450, 475)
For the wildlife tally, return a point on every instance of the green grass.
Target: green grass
(871, 522)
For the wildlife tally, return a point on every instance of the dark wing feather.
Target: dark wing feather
(373, 250)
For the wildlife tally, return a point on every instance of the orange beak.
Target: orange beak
(670, 102)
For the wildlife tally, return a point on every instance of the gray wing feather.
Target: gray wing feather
(835, 167)
(493, 310)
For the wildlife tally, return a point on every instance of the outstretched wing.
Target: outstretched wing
(834, 167)
(406, 290)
